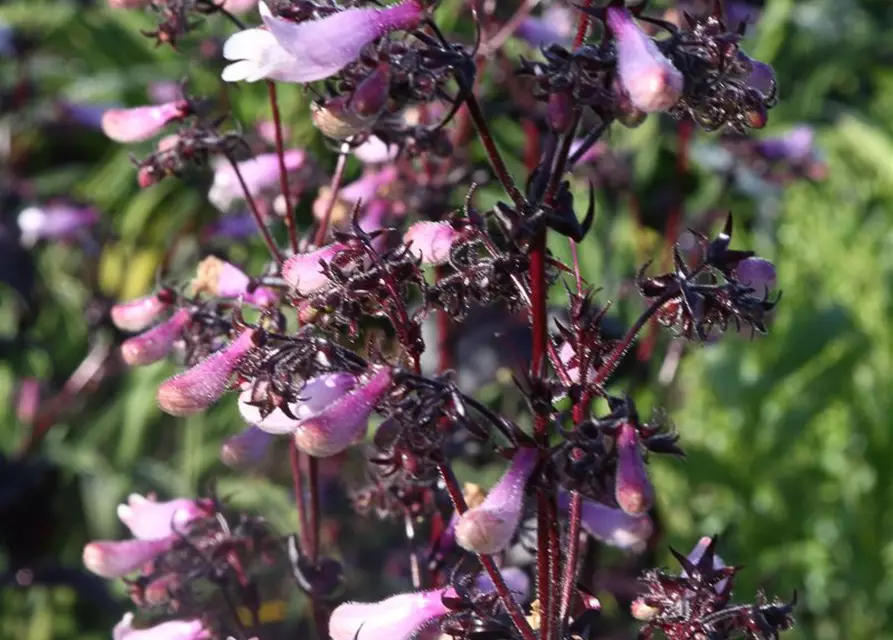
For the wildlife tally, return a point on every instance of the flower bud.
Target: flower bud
(337, 120)
(560, 111)
(340, 424)
(247, 449)
(649, 78)
(316, 396)
(136, 315)
(141, 123)
(399, 617)
(149, 520)
(117, 558)
(632, 488)
(371, 94)
(489, 528)
(199, 387)
(431, 241)
(697, 554)
(156, 343)
(147, 177)
(761, 77)
(170, 630)
(219, 278)
(303, 273)
(756, 273)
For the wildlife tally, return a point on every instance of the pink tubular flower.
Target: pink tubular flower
(632, 488)
(757, 273)
(489, 527)
(303, 273)
(321, 48)
(171, 630)
(334, 428)
(198, 388)
(239, 6)
(136, 315)
(431, 241)
(259, 173)
(117, 558)
(317, 395)
(148, 519)
(365, 189)
(219, 278)
(399, 617)
(156, 343)
(649, 78)
(246, 449)
(141, 123)
(54, 222)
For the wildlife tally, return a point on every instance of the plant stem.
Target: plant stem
(294, 459)
(496, 161)
(258, 218)
(334, 187)
(290, 222)
(314, 519)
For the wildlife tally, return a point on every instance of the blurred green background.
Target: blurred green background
(789, 436)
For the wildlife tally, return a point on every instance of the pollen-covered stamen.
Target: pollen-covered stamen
(335, 428)
(198, 388)
(156, 343)
(649, 78)
(632, 490)
(489, 527)
(141, 123)
(117, 558)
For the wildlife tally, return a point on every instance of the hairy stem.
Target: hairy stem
(337, 178)
(290, 222)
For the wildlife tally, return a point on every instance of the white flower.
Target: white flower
(258, 56)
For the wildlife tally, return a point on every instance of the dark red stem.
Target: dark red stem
(290, 223)
(258, 218)
(323, 230)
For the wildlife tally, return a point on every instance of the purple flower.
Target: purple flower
(516, 580)
(371, 185)
(259, 173)
(555, 26)
(136, 315)
(796, 146)
(375, 151)
(85, 115)
(303, 273)
(150, 520)
(648, 77)
(219, 278)
(756, 273)
(313, 50)
(432, 241)
(141, 123)
(117, 558)
(632, 488)
(171, 630)
(156, 343)
(612, 526)
(58, 221)
(399, 617)
(339, 425)
(235, 227)
(247, 449)
(316, 396)
(489, 527)
(198, 388)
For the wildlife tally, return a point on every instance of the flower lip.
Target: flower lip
(148, 519)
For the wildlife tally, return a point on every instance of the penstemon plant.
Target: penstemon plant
(327, 345)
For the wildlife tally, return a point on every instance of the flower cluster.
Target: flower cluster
(341, 348)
